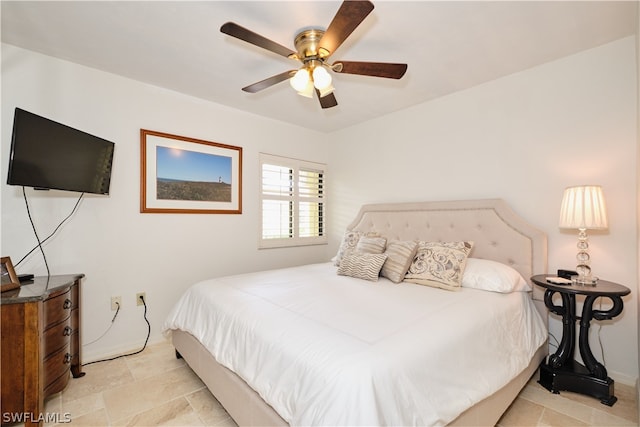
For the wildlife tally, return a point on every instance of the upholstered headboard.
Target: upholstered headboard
(497, 231)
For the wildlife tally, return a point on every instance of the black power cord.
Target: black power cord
(40, 242)
(557, 344)
(135, 352)
(35, 232)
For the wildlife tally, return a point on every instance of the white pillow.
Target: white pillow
(488, 275)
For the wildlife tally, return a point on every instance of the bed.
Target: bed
(319, 345)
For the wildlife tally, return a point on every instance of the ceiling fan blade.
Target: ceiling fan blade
(328, 100)
(375, 69)
(263, 84)
(347, 19)
(249, 36)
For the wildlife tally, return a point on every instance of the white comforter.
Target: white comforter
(324, 349)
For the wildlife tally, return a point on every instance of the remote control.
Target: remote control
(558, 280)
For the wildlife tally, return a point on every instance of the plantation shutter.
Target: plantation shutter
(277, 202)
(311, 203)
(292, 202)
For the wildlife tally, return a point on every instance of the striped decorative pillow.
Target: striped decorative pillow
(399, 257)
(362, 266)
(371, 245)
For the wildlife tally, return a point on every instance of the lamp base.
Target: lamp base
(584, 280)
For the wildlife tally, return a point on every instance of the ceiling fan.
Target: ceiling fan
(313, 49)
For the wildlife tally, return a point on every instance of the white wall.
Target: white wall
(638, 184)
(523, 138)
(120, 250)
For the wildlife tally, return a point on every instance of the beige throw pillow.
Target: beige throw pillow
(362, 265)
(348, 245)
(399, 257)
(371, 245)
(439, 264)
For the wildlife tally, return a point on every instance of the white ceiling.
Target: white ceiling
(448, 46)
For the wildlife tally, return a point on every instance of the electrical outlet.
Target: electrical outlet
(141, 296)
(115, 303)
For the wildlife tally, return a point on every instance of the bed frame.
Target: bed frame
(498, 234)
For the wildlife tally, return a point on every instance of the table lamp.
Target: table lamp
(583, 208)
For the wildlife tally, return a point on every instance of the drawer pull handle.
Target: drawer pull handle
(67, 331)
(67, 304)
(67, 358)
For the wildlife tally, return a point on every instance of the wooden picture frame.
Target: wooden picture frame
(187, 175)
(8, 277)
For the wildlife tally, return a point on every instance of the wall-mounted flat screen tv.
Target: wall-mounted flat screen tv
(49, 155)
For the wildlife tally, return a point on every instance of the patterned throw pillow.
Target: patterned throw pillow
(362, 266)
(439, 264)
(348, 245)
(399, 257)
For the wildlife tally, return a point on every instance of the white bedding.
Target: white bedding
(324, 349)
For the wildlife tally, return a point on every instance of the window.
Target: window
(293, 202)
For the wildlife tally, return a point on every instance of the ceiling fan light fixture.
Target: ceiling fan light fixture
(321, 78)
(300, 80)
(326, 91)
(308, 90)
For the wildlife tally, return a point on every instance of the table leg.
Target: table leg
(567, 310)
(588, 313)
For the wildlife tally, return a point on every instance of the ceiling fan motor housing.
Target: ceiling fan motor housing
(307, 42)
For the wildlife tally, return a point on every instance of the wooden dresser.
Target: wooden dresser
(40, 325)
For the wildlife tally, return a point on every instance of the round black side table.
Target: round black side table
(560, 371)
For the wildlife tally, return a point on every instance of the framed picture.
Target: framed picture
(9, 277)
(187, 175)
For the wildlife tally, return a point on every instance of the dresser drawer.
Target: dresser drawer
(57, 385)
(57, 336)
(57, 309)
(57, 364)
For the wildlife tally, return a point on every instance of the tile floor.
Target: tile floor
(154, 388)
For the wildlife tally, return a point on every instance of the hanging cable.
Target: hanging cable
(135, 352)
(108, 329)
(557, 344)
(75, 207)
(35, 232)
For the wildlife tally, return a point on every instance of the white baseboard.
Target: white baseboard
(638, 396)
(623, 379)
(89, 356)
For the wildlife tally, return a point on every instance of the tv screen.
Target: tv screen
(49, 155)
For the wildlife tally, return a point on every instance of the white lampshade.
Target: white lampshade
(583, 207)
(321, 78)
(300, 80)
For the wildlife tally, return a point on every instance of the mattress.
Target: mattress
(324, 349)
